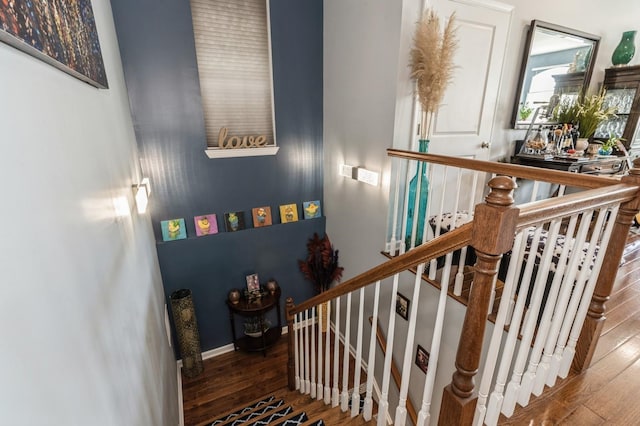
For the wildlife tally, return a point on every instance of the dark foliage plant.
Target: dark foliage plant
(321, 265)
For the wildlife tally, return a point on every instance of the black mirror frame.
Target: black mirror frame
(527, 50)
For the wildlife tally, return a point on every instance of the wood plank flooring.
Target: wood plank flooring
(235, 379)
(608, 393)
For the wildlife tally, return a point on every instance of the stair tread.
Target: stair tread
(255, 413)
(238, 411)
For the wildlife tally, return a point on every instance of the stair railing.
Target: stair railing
(495, 226)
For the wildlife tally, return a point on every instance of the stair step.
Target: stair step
(271, 416)
(255, 414)
(296, 420)
(236, 413)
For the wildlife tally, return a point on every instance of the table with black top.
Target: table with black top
(596, 165)
(256, 308)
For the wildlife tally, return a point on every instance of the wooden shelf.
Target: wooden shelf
(256, 344)
(242, 152)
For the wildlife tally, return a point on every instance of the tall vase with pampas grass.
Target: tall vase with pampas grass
(432, 69)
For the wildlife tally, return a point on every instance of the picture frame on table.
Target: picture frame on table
(253, 284)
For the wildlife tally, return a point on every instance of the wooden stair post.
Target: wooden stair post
(594, 320)
(291, 371)
(494, 228)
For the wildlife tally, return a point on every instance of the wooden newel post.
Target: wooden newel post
(494, 226)
(594, 321)
(291, 373)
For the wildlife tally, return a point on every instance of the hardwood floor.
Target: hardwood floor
(606, 394)
(235, 379)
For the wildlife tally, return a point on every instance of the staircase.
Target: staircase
(284, 408)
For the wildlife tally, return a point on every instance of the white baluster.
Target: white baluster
(433, 266)
(355, 397)
(314, 354)
(561, 190)
(494, 345)
(454, 225)
(424, 416)
(367, 410)
(496, 400)
(513, 387)
(383, 404)
(307, 383)
(319, 390)
(534, 190)
(588, 293)
(327, 360)
(396, 202)
(522, 386)
(296, 325)
(585, 300)
(335, 390)
(344, 401)
(566, 304)
(457, 288)
(401, 409)
(544, 328)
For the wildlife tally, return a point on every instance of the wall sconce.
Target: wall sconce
(360, 174)
(141, 192)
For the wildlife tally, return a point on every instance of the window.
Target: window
(234, 63)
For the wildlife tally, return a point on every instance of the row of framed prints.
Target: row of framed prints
(175, 229)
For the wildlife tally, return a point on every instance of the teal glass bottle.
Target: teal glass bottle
(623, 54)
(421, 178)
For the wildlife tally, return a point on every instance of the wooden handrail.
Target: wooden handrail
(514, 170)
(558, 207)
(451, 241)
(395, 373)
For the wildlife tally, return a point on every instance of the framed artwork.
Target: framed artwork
(234, 221)
(206, 224)
(288, 213)
(253, 284)
(422, 359)
(402, 306)
(173, 229)
(61, 33)
(261, 216)
(311, 209)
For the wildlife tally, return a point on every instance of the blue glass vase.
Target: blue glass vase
(625, 50)
(423, 181)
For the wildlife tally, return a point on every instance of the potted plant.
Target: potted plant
(610, 144)
(321, 267)
(587, 111)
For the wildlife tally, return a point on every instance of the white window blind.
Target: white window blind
(234, 62)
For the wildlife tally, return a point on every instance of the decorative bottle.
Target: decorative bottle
(422, 179)
(625, 50)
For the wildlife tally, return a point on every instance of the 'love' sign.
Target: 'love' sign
(235, 142)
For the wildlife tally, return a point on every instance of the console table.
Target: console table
(588, 165)
(256, 308)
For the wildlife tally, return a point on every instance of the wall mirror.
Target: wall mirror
(557, 62)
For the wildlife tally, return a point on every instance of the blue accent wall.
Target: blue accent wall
(159, 60)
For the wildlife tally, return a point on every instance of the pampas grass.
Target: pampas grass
(432, 63)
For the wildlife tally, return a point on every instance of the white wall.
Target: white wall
(82, 305)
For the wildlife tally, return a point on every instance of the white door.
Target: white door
(464, 122)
